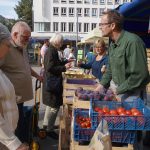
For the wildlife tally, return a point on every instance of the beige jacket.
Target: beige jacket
(8, 113)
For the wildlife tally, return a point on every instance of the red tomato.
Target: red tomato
(120, 110)
(136, 113)
(100, 112)
(106, 110)
(83, 125)
(113, 112)
(133, 110)
(122, 114)
(97, 109)
(128, 112)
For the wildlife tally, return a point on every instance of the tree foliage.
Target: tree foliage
(24, 11)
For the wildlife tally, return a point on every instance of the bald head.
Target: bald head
(21, 33)
(19, 26)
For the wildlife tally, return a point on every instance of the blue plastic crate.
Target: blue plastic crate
(122, 122)
(128, 137)
(84, 134)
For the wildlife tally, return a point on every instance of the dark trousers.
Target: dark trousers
(24, 123)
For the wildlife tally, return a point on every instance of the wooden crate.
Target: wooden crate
(77, 103)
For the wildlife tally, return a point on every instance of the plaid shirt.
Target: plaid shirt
(8, 113)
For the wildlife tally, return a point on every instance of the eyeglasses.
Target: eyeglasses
(25, 37)
(103, 24)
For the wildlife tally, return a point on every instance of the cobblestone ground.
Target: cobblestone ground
(48, 143)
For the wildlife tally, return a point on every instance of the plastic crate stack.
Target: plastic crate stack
(122, 128)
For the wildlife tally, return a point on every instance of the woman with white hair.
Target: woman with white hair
(8, 106)
(53, 69)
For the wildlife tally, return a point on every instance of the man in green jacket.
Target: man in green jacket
(127, 73)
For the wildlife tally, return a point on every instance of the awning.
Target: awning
(94, 35)
(137, 15)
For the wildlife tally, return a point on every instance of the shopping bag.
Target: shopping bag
(101, 138)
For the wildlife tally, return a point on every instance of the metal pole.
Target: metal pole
(77, 28)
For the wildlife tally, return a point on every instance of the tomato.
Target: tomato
(128, 112)
(106, 110)
(113, 112)
(120, 110)
(100, 112)
(136, 113)
(122, 114)
(83, 125)
(133, 110)
(97, 109)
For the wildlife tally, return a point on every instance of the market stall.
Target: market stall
(80, 115)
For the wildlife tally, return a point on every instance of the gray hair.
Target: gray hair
(56, 40)
(4, 33)
(19, 25)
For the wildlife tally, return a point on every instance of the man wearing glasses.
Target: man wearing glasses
(16, 67)
(127, 72)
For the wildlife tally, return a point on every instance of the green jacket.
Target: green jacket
(127, 63)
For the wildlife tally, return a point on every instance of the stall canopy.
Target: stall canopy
(94, 35)
(137, 15)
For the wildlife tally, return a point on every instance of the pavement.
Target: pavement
(48, 143)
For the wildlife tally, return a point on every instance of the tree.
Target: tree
(24, 11)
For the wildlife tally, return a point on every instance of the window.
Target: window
(94, 1)
(79, 1)
(71, 25)
(55, 11)
(125, 1)
(86, 27)
(55, 26)
(63, 26)
(94, 12)
(79, 27)
(63, 11)
(101, 10)
(102, 1)
(63, 1)
(42, 26)
(93, 26)
(117, 1)
(86, 12)
(71, 1)
(46, 26)
(71, 11)
(109, 2)
(55, 1)
(86, 1)
(79, 11)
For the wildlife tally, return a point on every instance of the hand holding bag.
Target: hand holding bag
(53, 84)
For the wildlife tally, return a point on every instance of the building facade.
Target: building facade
(72, 18)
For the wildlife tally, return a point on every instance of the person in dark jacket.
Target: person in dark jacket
(100, 61)
(53, 68)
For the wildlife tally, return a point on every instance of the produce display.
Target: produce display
(83, 122)
(121, 115)
(106, 95)
(118, 111)
(78, 74)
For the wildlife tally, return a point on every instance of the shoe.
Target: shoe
(53, 135)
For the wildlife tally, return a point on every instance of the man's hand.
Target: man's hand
(23, 146)
(99, 88)
(71, 60)
(68, 65)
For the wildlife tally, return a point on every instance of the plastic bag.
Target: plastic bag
(101, 138)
